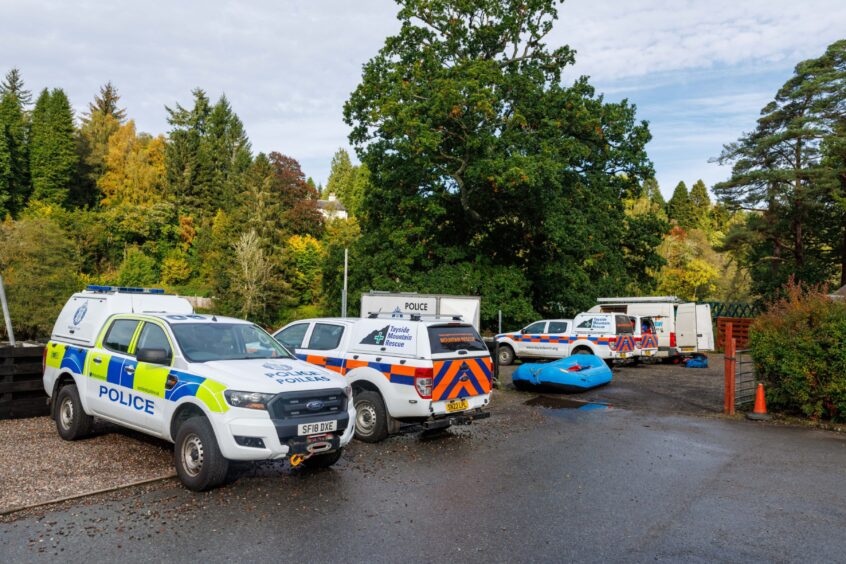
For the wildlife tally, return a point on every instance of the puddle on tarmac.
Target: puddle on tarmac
(553, 402)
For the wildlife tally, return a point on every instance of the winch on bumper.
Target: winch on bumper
(291, 411)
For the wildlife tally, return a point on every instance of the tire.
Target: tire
(197, 457)
(505, 355)
(323, 460)
(72, 422)
(581, 350)
(371, 417)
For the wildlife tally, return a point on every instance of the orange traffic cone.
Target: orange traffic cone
(759, 412)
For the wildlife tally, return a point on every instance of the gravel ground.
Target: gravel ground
(36, 465)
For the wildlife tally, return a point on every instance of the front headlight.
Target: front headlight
(247, 400)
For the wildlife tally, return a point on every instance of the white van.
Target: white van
(681, 327)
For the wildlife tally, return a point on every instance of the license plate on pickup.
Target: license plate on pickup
(688, 349)
(623, 355)
(457, 405)
(315, 428)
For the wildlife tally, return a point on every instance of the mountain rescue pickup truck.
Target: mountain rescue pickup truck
(433, 371)
(606, 335)
(221, 389)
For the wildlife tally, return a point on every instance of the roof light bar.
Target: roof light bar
(123, 289)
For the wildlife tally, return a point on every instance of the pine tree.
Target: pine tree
(207, 154)
(341, 176)
(53, 157)
(6, 177)
(13, 84)
(13, 127)
(652, 191)
(679, 207)
(99, 123)
(700, 206)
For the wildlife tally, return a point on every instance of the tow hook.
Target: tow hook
(297, 459)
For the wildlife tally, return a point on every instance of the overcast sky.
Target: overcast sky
(698, 70)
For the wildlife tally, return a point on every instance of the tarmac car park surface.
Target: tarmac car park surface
(657, 476)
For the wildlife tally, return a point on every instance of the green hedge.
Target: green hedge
(799, 348)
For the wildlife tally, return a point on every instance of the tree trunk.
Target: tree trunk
(798, 243)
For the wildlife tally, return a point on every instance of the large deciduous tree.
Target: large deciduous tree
(479, 154)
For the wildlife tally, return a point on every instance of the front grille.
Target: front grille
(293, 405)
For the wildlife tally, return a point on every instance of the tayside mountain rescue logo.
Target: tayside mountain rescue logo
(393, 336)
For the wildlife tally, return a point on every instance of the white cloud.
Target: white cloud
(287, 65)
(617, 39)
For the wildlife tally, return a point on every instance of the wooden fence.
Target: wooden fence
(21, 388)
(740, 331)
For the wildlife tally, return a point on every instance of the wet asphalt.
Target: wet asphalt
(533, 484)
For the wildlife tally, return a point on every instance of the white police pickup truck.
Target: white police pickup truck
(433, 371)
(221, 389)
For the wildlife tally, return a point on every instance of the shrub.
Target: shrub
(39, 264)
(799, 348)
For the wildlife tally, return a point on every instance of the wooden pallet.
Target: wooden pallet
(740, 330)
(21, 387)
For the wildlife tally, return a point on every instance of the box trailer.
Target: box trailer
(403, 304)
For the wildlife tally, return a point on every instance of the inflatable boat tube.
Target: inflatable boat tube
(575, 373)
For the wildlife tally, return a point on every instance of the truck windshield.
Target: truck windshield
(451, 338)
(202, 342)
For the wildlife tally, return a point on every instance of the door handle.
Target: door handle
(355, 357)
(171, 381)
(402, 361)
(97, 360)
(129, 369)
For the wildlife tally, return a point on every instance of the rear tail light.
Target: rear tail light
(672, 339)
(423, 378)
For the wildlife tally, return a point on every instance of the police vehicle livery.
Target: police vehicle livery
(220, 388)
(433, 371)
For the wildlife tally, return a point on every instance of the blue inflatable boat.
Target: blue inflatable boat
(575, 373)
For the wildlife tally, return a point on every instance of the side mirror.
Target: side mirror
(524, 331)
(153, 356)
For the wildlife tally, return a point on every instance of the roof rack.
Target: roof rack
(123, 290)
(413, 316)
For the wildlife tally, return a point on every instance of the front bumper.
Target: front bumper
(279, 437)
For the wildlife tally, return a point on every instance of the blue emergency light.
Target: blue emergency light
(123, 289)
